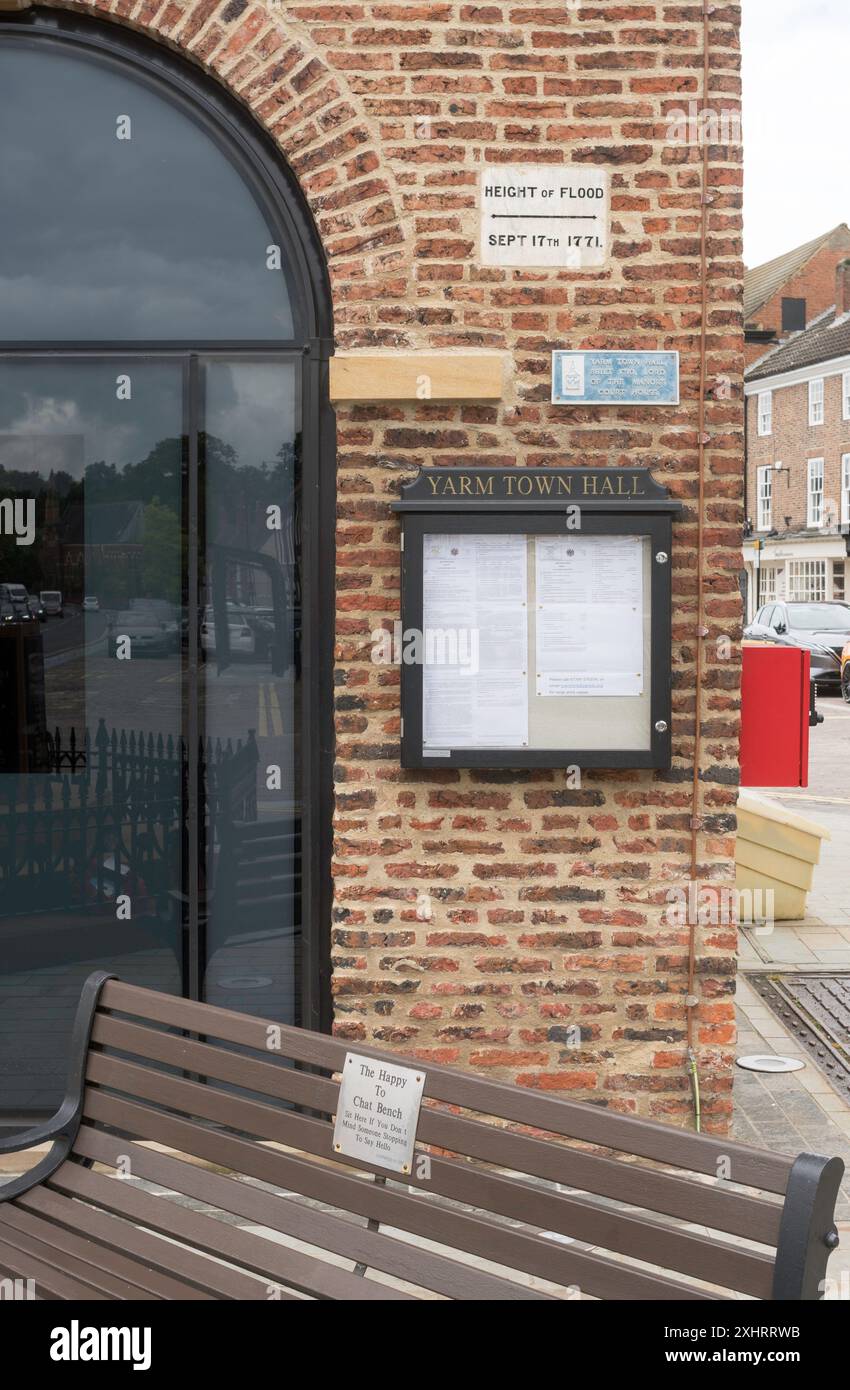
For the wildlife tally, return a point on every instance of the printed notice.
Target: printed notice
(378, 1112)
(546, 215)
(475, 642)
(589, 615)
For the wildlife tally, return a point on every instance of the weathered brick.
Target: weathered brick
(515, 903)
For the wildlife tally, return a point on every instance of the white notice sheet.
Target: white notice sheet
(589, 613)
(475, 649)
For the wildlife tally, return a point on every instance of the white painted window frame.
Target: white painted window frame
(768, 583)
(807, 581)
(814, 493)
(764, 497)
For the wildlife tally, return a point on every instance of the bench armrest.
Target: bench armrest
(807, 1232)
(61, 1130)
(38, 1134)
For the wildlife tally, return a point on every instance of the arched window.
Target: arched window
(164, 649)
(128, 220)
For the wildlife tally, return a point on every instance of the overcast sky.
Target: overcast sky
(796, 122)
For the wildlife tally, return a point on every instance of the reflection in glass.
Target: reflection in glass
(122, 219)
(91, 759)
(128, 219)
(250, 635)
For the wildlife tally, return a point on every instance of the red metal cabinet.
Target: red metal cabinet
(774, 716)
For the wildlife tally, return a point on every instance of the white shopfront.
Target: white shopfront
(808, 568)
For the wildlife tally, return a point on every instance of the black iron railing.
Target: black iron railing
(109, 816)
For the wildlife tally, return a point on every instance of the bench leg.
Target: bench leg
(807, 1234)
(371, 1224)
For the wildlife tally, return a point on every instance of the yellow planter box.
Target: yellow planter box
(777, 850)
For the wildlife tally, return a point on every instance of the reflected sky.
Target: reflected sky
(67, 415)
(253, 406)
(155, 237)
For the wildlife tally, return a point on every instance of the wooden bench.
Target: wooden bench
(171, 1097)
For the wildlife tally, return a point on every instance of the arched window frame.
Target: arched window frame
(263, 169)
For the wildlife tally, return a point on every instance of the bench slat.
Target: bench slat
(341, 1237)
(167, 1259)
(645, 1138)
(50, 1283)
(216, 1176)
(663, 1192)
(279, 1263)
(684, 1252)
(81, 1247)
(56, 1254)
(502, 1244)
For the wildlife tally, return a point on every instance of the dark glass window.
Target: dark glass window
(155, 400)
(793, 315)
(122, 219)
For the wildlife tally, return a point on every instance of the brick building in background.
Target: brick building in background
(782, 296)
(798, 461)
(479, 918)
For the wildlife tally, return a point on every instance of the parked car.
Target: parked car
(845, 671)
(240, 635)
(164, 613)
(37, 608)
(16, 592)
(16, 599)
(822, 628)
(91, 604)
(251, 631)
(148, 637)
(52, 600)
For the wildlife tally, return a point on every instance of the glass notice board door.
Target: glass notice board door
(536, 645)
(527, 638)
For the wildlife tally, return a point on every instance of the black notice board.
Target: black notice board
(535, 627)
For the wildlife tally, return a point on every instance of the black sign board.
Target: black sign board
(535, 627)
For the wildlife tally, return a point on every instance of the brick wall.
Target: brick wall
(794, 441)
(546, 902)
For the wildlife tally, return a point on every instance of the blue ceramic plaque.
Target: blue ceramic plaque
(615, 378)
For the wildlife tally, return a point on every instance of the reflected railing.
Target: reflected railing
(108, 817)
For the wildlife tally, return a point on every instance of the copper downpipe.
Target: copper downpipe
(700, 632)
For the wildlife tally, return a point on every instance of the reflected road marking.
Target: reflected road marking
(268, 711)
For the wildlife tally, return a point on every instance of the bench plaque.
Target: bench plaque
(378, 1112)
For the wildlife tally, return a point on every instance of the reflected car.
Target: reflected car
(164, 613)
(242, 632)
(16, 592)
(822, 629)
(91, 604)
(37, 608)
(15, 600)
(52, 600)
(147, 636)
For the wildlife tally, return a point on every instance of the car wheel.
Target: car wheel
(845, 683)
